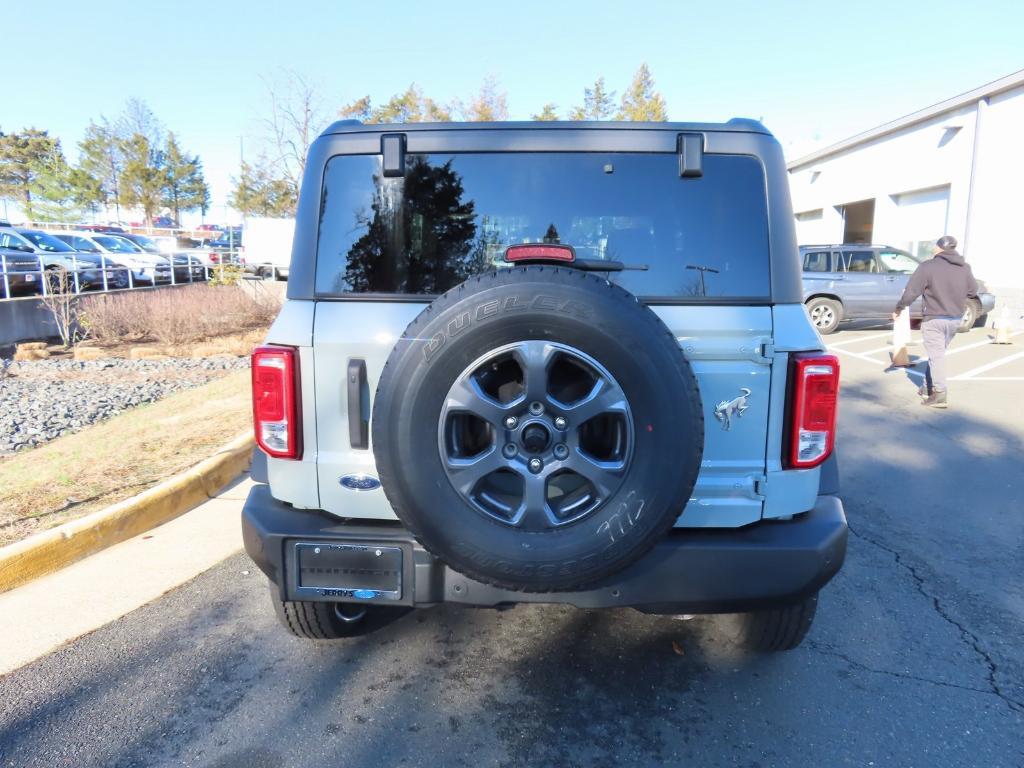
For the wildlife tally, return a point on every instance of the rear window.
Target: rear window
(452, 216)
(816, 261)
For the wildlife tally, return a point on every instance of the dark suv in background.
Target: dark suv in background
(863, 282)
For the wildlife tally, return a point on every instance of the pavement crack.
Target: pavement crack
(969, 638)
(827, 651)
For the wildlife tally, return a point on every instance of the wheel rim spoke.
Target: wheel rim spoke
(467, 396)
(534, 513)
(534, 357)
(521, 445)
(605, 397)
(466, 473)
(604, 476)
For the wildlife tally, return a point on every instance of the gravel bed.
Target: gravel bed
(40, 400)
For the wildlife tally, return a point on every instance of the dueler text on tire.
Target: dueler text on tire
(537, 428)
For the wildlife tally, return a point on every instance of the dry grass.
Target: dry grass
(105, 463)
(186, 315)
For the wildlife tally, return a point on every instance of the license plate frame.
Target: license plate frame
(358, 572)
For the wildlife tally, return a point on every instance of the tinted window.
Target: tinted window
(117, 244)
(860, 261)
(45, 242)
(79, 243)
(816, 261)
(452, 216)
(11, 240)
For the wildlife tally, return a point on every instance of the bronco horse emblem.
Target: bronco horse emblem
(726, 409)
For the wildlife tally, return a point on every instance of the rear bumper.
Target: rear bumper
(767, 564)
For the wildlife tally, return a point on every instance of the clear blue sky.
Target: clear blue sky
(811, 71)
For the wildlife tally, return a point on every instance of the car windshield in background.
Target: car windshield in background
(453, 216)
(117, 244)
(45, 242)
(145, 243)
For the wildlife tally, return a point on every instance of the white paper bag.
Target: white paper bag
(901, 331)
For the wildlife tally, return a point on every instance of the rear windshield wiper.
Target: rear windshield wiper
(603, 265)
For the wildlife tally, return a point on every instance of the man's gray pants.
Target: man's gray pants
(938, 333)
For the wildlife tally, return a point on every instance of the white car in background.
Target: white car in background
(146, 268)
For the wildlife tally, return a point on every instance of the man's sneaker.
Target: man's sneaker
(936, 399)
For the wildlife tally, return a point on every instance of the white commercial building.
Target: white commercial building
(954, 168)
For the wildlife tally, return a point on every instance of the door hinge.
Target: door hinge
(760, 485)
(767, 350)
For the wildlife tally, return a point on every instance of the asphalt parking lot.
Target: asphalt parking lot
(915, 658)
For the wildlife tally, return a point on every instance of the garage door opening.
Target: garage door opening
(858, 221)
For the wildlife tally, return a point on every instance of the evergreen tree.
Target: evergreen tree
(22, 155)
(411, 106)
(260, 192)
(640, 101)
(53, 191)
(598, 103)
(547, 112)
(144, 178)
(101, 161)
(186, 188)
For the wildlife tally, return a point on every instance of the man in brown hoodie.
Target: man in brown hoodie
(946, 282)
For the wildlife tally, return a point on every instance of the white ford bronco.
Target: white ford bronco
(545, 362)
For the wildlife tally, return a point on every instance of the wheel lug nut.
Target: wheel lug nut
(536, 408)
(509, 450)
(561, 451)
(510, 422)
(560, 423)
(536, 465)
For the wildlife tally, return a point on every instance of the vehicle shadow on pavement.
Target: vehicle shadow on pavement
(914, 655)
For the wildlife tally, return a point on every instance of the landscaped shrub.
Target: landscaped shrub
(185, 315)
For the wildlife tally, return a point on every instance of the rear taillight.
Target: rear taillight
(813, 402)
(275, 401)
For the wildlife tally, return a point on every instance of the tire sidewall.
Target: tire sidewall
(609, 326)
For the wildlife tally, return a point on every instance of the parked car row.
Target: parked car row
(32, 261)
(857, 281)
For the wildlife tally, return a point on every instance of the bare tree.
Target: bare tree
(296, 118)
(62, 303)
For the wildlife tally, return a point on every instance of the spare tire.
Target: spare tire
(537, 428)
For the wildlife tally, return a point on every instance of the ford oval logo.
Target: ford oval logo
(360, 482)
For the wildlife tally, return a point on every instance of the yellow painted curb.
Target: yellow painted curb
(58, 547)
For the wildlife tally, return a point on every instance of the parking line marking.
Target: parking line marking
(862, 338)
(953, 351)
(975, 345)
(997, 378)
(858, 355)
(988, 367)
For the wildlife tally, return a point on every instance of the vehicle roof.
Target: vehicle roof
(735, 125)
(85, 233)
(851, 245)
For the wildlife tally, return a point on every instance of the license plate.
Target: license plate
(30, 278)
(356, 572)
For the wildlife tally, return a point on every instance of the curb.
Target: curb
(58, 547)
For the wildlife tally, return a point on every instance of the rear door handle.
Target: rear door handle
(358, 404)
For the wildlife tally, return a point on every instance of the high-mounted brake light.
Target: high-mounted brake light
(814, 398)
(539, 252)
(275, 401)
